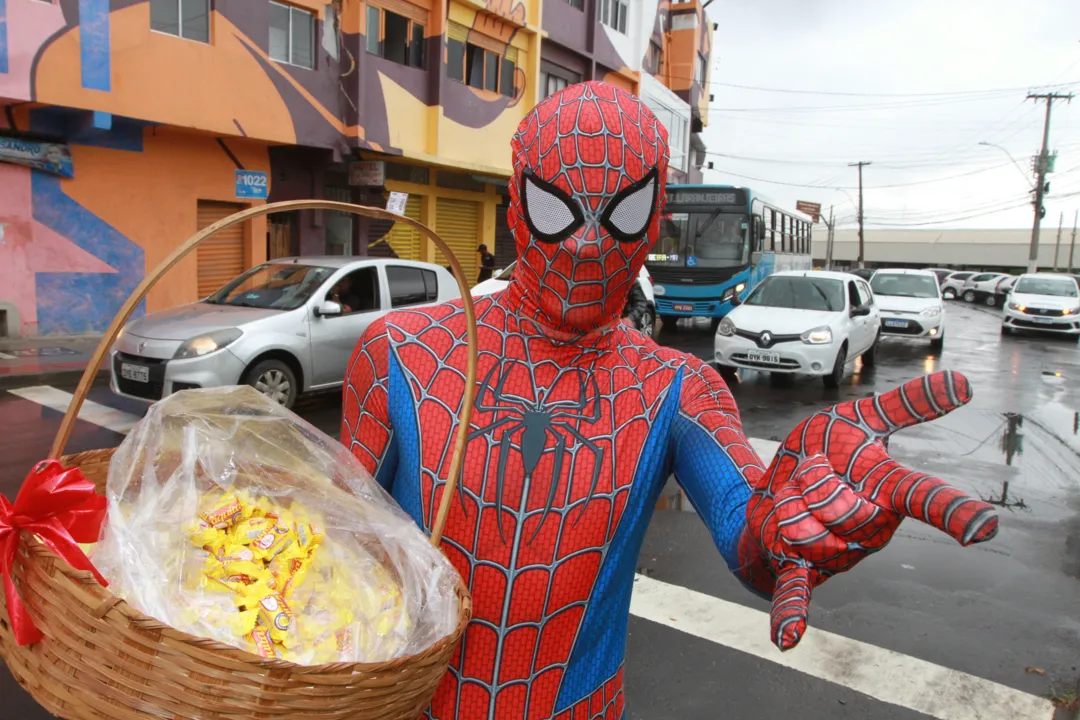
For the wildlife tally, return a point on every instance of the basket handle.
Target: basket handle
(192, 242)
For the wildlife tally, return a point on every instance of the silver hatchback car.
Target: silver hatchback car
(286, 327)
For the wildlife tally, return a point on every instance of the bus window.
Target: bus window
(758, 234)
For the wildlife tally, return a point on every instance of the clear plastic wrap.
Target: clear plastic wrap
(232, 518)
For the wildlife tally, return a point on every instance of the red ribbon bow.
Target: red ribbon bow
(61, 508)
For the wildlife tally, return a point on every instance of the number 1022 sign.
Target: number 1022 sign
(251, 185)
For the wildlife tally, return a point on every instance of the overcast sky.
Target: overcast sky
(954, 73)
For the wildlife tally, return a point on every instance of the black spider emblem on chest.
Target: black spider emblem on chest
(531, 421)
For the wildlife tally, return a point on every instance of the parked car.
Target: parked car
(940, 273)
(285, 327)
(809, 322)
(1002, 289)
(1044, 302)
(646, 323)
(910, 304)
(978, 287)
(953, 284)
(864, 273)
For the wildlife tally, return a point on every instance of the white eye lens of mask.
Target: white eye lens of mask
(630, 214)
(547, 213)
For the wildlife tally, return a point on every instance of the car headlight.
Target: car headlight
(1017, 306)
(817, 336)
(725, 328)
(208, 343)
(931, 312)
(732, 292)
(1070, 311)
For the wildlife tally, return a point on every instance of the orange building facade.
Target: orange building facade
(126, 125)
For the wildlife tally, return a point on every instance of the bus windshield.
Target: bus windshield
(714, 239)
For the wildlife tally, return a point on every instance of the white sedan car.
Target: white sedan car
(911, 305)
(646, 324)
(1043, 302)
(811, 322)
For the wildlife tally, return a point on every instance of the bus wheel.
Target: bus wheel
(715, 324)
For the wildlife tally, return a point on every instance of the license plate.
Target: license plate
(683, 308)
(896, 323)
(1042, 320)
(138, 373)
(771, 358)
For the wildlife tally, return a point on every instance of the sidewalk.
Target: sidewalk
(45, 360)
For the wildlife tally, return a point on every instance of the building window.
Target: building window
(189, 19)
(479, 67)
(613, 13)
(554, 78)
(702, 70)
(652, 59)
(292, 35)
(395, 37)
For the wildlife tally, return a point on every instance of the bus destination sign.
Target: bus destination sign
(702, 197)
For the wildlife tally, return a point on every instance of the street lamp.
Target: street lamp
(1018, 167)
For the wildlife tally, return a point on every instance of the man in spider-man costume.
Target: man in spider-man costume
(580, 420)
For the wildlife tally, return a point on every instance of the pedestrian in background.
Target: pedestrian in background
(487, 263)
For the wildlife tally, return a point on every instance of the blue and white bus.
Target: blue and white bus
(717, 241)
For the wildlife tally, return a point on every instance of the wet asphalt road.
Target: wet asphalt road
(991, 611)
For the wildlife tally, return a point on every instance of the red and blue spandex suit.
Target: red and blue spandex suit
(579, 421)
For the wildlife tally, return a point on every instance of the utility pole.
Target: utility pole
(1041, 164)
(1057, 247)
(860, 165)
(830, 223)
(1072, 248)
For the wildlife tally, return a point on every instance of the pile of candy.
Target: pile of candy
(289, 599)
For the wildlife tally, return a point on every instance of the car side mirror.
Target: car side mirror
(860, 311)
(329, 308)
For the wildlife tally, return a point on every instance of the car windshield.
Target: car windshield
(904, 285)
(274, 286)
(799, 293)
(1062, 287)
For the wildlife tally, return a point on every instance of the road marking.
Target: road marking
(5, 356)
(92, 412)
(882, 674)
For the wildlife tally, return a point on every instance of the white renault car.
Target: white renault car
(811, 322)
(1043, 302)
(911, 305)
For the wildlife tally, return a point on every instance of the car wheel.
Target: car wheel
(949, 294)
(670, 322)
(991, 301)
(869, 358)
(275, 380)
(938, 343)
(832, 380)
(728, 373)
(647, 323)
(969, 296)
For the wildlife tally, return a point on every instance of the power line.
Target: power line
(894, 95)
(849, 187)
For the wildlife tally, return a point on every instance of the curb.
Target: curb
(8, 382)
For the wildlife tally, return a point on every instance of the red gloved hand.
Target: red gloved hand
(833, 495)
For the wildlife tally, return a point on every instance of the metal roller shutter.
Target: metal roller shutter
(402, 239)
(221, 257)
(458, 223)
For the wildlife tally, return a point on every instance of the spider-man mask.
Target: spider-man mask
(589, 184)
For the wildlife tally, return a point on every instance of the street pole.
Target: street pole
(1041, 167)
(1072, 247)
(829, 242)
(860, 165)
(1057, 247)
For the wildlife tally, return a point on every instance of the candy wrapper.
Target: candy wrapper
(231, 518)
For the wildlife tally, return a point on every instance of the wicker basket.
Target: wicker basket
(101, 659)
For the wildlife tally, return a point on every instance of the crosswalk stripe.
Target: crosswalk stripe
(92, 412)
(882, 674)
